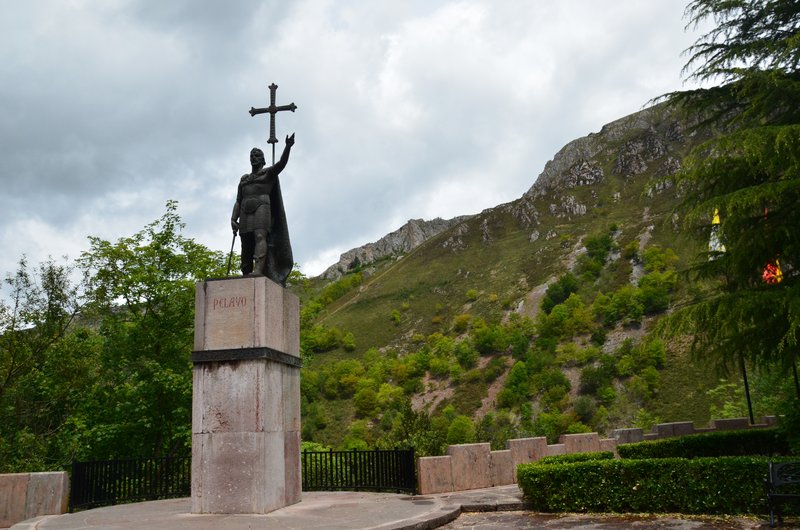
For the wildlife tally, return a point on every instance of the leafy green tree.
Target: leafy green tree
(597, 248)
(517, 387)
(461, 430)
(365, 402)
(558, 291)
(497, 428)
(47, 359)
(141, 291)
(750, 172)
(466, 355)
(415, 429)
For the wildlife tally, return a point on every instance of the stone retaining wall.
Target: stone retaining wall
(474, 466)
(27, 495)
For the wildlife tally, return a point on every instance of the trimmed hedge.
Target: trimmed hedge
(724, 485)
(576, 457)
(766, 442)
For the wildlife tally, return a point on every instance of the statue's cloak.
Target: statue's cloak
(279, 248)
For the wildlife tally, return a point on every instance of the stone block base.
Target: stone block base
(245, 472)
(245, 398)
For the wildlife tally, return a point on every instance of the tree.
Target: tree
(46, 360)
(141, 291)
(558, 291)
(461, 430)
(750, 172)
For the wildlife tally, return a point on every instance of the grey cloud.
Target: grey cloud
(109, 110)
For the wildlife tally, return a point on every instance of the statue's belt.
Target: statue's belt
(251, 203)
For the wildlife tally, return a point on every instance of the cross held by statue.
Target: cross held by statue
(272, 110)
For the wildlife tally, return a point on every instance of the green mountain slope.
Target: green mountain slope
(427, 340)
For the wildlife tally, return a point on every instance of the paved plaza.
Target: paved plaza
(499, 508)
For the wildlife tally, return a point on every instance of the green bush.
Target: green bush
(559, 291)
(765, 442)
(461, 322)
(466, 355)
(576, 457)
(461, 431)
(724, 485)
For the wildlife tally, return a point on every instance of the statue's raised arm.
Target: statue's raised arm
(278, 167)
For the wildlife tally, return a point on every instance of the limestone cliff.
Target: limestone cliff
(401, 241)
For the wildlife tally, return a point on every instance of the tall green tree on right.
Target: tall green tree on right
(750, 172)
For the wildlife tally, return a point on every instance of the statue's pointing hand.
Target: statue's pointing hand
(290, 140)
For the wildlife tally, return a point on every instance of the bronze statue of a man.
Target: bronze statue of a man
(259, 217)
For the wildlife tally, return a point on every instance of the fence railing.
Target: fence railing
(107, 482)
(378, 470)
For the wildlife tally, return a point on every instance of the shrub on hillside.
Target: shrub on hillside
(765, 442)
(559, 291)
(461, 322)
(461, 430)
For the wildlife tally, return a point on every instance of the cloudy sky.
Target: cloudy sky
(405, 109)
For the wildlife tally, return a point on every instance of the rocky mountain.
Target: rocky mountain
(597, 210)
(401, 241)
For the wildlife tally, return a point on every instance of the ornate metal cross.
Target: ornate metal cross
(272, 110)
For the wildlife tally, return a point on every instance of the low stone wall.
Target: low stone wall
(27, 495)
(474, 466)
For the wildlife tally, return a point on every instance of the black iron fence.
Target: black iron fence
(107, 482)
(103, 483)
(377, 470)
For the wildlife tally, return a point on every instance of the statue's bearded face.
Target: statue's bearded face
(256, 157)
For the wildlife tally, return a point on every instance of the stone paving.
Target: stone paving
(521, 520)
(498, 508)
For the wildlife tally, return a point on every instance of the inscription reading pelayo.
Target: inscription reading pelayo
(229, 303)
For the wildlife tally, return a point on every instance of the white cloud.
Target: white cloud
(405, 109)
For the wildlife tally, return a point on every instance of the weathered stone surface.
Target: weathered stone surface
(608, 444)
(226, 397)
(580, 443)
(291, 323)
(569, 207)
(456, 240)
(503, 469)
(627, 436)
(524, 450)
(48, 494)
(635, 154)
(227, 311)
(434, 474)
(245, 412)
(293, 483)
(291, 398)
(524, 212)
(246, 312)
(238, 472)
(769, 421)
(678, 428)
(731, 424)
(13, 493)
(470, 466)
(556, 450)
(27, 495)
(651, 137)
(401, 241)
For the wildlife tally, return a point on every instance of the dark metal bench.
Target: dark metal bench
(782, 476)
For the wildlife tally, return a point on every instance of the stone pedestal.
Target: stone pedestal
(246, 397)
